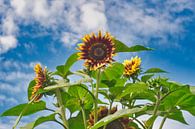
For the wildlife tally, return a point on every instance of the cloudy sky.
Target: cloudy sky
(47, 31)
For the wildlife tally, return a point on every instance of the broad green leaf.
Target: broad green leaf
(145, 95)
(114, 71)
(30, 88)
(115, 91)
(32, 108)
(174, 97)
(191, 110)
(39, 121)
(63, 70)
(177, 115)
(116, 115)
(134, 88)
(187, 102)
(145, 78)
(76, 122)
(81, 95)
(155, 70)
(121, 47)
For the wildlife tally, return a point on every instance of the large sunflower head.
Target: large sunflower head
(132, 67)
(96, 50)
(40, 79)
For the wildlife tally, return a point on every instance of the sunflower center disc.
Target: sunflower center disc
(98, 51)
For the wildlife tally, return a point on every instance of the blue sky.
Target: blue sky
(47, 32)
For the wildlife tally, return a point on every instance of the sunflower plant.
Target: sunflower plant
(106, 93)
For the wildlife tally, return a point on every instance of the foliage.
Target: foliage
(164, 98)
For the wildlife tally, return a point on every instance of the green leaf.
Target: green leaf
(32, 108)
(115, 91)
(116, 115)
(177, 115)
(134, 88)
(81, 96)
(114, 71)
(121, 47)
(192, 89)
(155, 70)
(30, 88)
(145, 78)
(187, 102)
(39, 121)
(63, 70)
(138, 48)
(76, 122)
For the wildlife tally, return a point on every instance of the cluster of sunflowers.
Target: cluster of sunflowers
(97, 51)
(119, 84)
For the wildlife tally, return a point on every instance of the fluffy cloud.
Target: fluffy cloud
(7, 42)
(136, 21)
(141, 21)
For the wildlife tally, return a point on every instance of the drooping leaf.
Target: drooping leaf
(116, 115)
(32, 108)
(39, 121)
(121, 47)
(155, 70)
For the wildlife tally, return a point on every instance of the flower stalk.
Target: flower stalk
(96, 95)
(84, 117)
(62, 109)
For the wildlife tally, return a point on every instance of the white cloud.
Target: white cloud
(69, 39)
(7, 42)
(136, 21)
(140, 21)
(93, 17)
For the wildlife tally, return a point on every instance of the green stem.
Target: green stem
(96, 95)
(61, 107)
(158, 98)
(84, 117)
(163, 121)
(23, 111)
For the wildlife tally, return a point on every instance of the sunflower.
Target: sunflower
(97, 51)
(40, 79)
(121, 123)
(132, 67)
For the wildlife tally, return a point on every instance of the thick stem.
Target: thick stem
(84, 117)
(61, 107)
(96, 95)
(163, 121)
